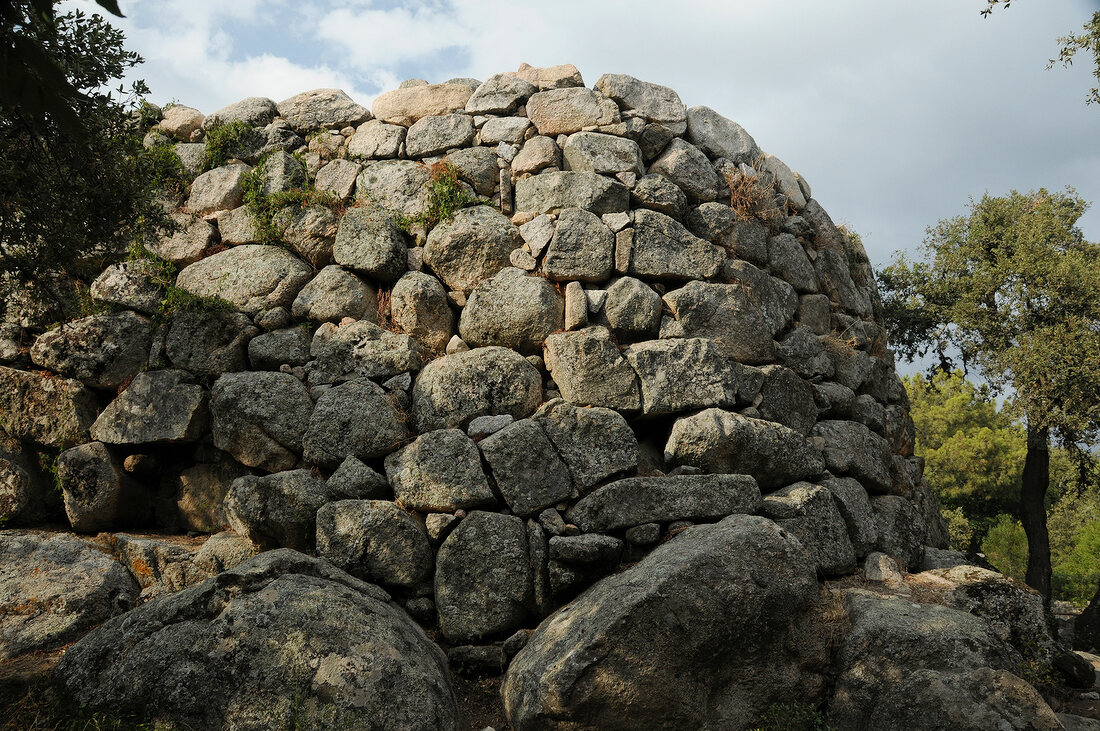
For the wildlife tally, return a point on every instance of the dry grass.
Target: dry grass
(753, 196)
(385, 311)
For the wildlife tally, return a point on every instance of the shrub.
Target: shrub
(223, 142)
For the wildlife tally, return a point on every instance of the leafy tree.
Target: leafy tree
(1013, 290)
(70, 196)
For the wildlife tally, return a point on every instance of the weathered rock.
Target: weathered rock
(180, 121)
(51, 412)
(439, 471)
(809, 513)
(538, 153)
(477, 166)
(483, 581)
(504, 129)
(689, 169)
(158, 407)
(102, 351)
(835, 280)
(526, 467)
(236, 226)
(640, 665)
(310, 231)
(720, 137)
(98, 494)
(24, 499)
(900, 529)
(377, 140)
(550, 77)
(724, 442)
(604, 154)
(354, 480)
(199, 495)
(260, 418)
(474, 245)
(209, 343)
(678, 374)
(360, 349)
(587, 367)
(251, 278)
(853, 449)
(374, 540)
(277, 510)
(255, 111)
(654, 102)
(594, 443)
(419, 308)
(218, 189)
(568, 110)
(787, 399)
(279, 172)
(640, 500)
(554, 190)
(334, 294)
(788, 261)
(500, 94)
(665, 250)
(297, 641)
(398, 186)
(321, 109)
(357, 418)
(54, 587)
(632, 309)
(582, 248)
(786, 183)
(407, 105)
(270, 351)
(136, 285)
(855, 507)
(370, 241)
(436, 134)
(452, 390)
(658, 193)
(512, 310)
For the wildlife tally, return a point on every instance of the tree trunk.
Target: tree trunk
(1033, 512)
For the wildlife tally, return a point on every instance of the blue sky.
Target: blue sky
(895, 111)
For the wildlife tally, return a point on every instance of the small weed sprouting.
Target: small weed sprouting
(224, 142)
(263, 208)
(177, 299)
(446, 195)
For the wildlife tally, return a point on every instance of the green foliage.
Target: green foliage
(175, 299)
(960, 530)
(792, 717)
(164, 170)
(445, 196)
(1005, 545)
(1088, 41)
(71, 197)
(224, 142)
(264, 208)
(1074, 524)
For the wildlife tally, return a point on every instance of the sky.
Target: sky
(895, 111)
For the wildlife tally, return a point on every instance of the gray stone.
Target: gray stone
(158, 407)
(805, 354)
(54, 587)
(199, 495)
(321, 109)
(576, 306)
(554, 190)
(452, 390)
(483, 426)
(209, 343)
(785, 181)
(419, 308)
(855, 507)
(604, 154)
(504, 129)
(590, 549)
(788, 261)
(835, 280)
(595, 443)
(550, 77)
(512, 310)
(881, 568)
(357, 418)
(787, 399)
(724, 442)
(376, 140)
(338, 177)
(354, 480)
(406, 105)
(439, 471)
(24, 499)
(260, 418)
(278, 510)
(374, 540)
(370, 241)
(236, 226)
(853, 449)
(217, 190)
(685, 165)
(252, 277)
(526, 468)
(500, 94)
(641, 666)
(98, 494)
(437, 134)
(588, 368)
(809, 513)
(280, 171)
(538, 153)
(334, 294)
(255, 111)
(568, 110)
(869, 412)
(477, 166)
(537, 233)
(814, 313)
(180, 121)
(938, 558)
(483, 581)
(581, 249)
(270, 351)
(720, 224)
(360, 349)
(136, 285)
(654, 102)
(720, 137)
(632, 309)
(658, 193)
(398, 186)
(900, 529)
(474, 245)
(834, 400)
(678, 374)
(639, 500)
(645, 534)
(664, 250)
(297, 641)
(740, 318)
(439, 526)
(102, 351)
(653, 140)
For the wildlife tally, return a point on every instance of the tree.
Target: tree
(70, 196)
(1013, 290)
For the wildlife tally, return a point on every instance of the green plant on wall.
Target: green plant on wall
(263, 208)
(224, 142)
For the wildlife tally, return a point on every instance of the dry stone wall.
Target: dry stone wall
(530, 331)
